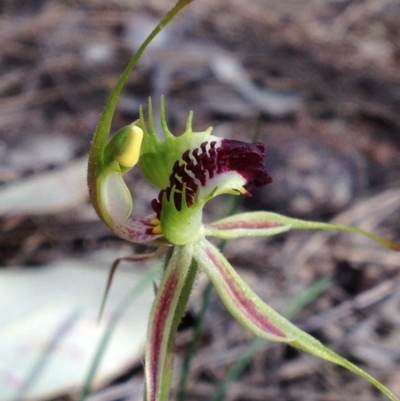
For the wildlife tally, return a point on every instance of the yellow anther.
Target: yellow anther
(155, 222)
(157, 230)
(131, 152)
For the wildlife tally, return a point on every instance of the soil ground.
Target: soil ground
(321, 80)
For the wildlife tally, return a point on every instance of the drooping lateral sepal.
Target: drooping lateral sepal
(260, 224)
(316, 348)
(247, 308)
(163, 320)
(258, 317)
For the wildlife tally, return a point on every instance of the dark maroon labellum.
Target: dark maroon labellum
(245, 158)
(207, 161)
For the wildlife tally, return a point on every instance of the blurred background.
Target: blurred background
(320, 84)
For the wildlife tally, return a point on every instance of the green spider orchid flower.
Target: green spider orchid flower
(189, 170)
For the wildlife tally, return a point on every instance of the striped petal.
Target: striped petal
(163, 322)
(247, 308)
(259, 318)
(261, 224)
(139, 231)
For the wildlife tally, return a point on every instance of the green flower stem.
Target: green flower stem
(102, 132)
(104, 125)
